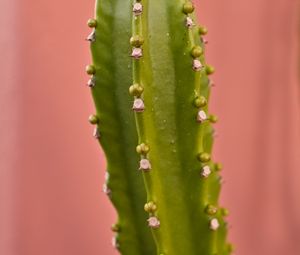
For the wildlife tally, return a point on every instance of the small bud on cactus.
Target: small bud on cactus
(188, 7)
(150, 207)
(93, 119)
(197, 51)
(213, 118)
(136, 90)
(224, 212)
(136, 41)
(200, 102)
(204, 157)
(92, 23)
(90, 69)
(211, 210)
(142, 149)
(218, 166)
(115, 228)
(203, 30)
(210, 70)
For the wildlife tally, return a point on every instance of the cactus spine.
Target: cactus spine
(169, 87)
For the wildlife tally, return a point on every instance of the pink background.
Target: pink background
(51, 169)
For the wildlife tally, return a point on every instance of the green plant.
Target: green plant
(150, 84)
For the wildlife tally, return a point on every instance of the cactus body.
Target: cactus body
(116, 126)
(159, 133)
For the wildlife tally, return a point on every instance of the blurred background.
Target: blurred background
(52, 170)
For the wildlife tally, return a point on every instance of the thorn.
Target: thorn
(106, 176)
(221, 180)
(92, 82)
(91, 37)
(201, 116)
(214, 224)
(197, 66)
(189, 22)
(205, 171)
(138, 105)
(137, 53)
(106, 190)
(145, 165)
(211, 84)
(137, 9)
(153, 222)
(204, 40)
(215, 134)
(115, 243)
(96, 133)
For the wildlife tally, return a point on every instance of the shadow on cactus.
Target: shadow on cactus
(151, 88)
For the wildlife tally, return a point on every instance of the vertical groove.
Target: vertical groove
(116, 124)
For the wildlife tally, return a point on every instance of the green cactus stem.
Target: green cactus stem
(115, 127)
(149, 65)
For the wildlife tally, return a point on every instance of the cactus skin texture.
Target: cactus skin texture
(116, 127)
(157, 137)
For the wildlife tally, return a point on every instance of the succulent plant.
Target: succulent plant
(151, 87)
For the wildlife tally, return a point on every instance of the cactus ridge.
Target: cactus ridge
(115, 125)
(148, 57)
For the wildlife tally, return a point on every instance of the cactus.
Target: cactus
(151, 87)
